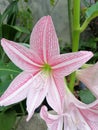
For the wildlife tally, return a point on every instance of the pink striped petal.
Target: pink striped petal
(37, 93)
(89, 77)
(70, 98)
(91, 117)
(67, 63)
(43, 39)
(73, 120)
(87, 113)
(21, 56)
(56, 93)
(54, 122)
(18, 89)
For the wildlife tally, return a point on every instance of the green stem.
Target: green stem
(22, 109)
(87, 21)
(0, 31)
(75, 36)
(20, 118)
(76, 25)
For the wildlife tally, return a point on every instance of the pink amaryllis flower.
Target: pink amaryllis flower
(89, 76)
(43, 68)
(75, 115)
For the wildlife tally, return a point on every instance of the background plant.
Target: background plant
(17, 24)
(13, 26)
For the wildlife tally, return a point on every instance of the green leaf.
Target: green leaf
(7, 120)
(86, 3)
(8, 31)
(9, 10)
(10, 68)
(86, 96)
(0, 26)
(52, 2)
(26, 0)
(7, 74)
(21, 29)
(91, 13)
(4, 108)
(0, 31)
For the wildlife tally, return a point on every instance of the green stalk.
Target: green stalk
(75, 36)
(0, 30)
(76, 25)
(22, 109)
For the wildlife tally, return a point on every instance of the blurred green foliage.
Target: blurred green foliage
(16, 25)
(52, 2)
(86, 96)
(7, 120)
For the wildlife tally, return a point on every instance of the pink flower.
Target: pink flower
(89, 77)
(75, 116)
(43, 68)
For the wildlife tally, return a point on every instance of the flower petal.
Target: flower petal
(37, 93)
(56, 93)
(74, 120)
(21, 56)
(70, 98)
(88, 112)
(89, 77)
(18, 89)
(91, 117)
(67, 63)
(44, 40)
(54, 122)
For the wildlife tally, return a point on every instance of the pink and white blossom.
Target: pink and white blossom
(89, 76)
(43, 68)
(75, 116)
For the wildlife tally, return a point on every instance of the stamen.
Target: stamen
(47, 68)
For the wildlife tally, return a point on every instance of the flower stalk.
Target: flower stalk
(75, 36)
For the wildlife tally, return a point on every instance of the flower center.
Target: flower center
(47, 68)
